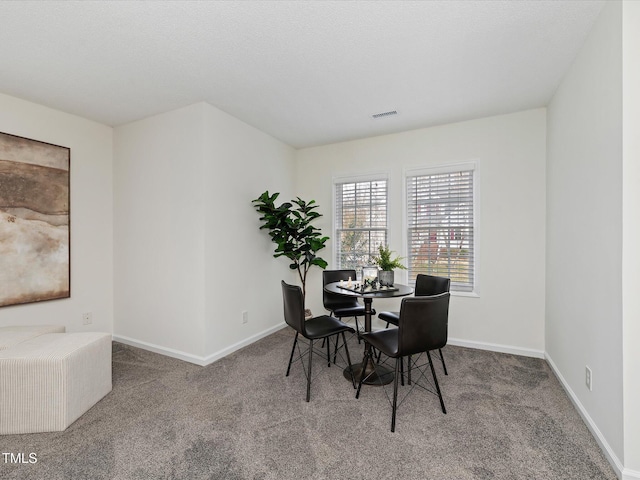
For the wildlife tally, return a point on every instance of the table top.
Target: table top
(402, 290)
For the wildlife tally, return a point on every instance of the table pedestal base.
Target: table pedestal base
(381, 375)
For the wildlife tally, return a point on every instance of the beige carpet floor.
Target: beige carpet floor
(241, 418)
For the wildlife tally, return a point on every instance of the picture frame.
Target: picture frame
(35, 238)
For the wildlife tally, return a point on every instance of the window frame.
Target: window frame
(337, 180)
(470, 165)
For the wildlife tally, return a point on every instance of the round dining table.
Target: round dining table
(375, 374)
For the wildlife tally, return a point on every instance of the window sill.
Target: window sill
(465, 294)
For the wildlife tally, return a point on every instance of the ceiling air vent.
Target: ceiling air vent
(384, 114)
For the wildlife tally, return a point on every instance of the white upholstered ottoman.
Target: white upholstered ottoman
(10, 336)
(49, 381)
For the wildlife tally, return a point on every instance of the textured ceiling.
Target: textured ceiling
(308, 73)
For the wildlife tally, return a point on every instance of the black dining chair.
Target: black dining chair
(426, 285)
(322, 327)
(342, 306)
(422, 327)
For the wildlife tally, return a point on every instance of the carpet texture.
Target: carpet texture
(241, 418)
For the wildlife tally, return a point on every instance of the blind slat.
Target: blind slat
(440, 219)
(360, 221)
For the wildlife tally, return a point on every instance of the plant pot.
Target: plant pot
(385, 277)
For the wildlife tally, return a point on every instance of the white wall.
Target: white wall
(91, 215)
(508, 315)
(584, 229)
(241, 162)
(189, 256)
(631, 234)
(159, 232)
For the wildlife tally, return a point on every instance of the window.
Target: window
(360, 221)
(440, 225)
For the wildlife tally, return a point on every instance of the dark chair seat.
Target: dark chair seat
(324, 326)
(385, 341)
(390, 317)
(351, 311)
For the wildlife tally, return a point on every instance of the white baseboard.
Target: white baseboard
(621, 472)
(494, 347)
(198, 360)
(243, 343)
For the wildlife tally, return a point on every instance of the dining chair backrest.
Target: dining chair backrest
(423, 323)
(293, 307)
(332, 301)
(431, 285)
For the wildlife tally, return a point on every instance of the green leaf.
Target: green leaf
(320, 262)
(289, 227)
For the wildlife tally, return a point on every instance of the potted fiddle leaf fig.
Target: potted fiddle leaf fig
(289, 226)
(387, 265)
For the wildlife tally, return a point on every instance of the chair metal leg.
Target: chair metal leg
(402, 371)
(409, 369)
(395, 395)
(346, 349)
(358, 330)
(309, 370)
(379, 353)
(326, 339)
(367, 355)
(328, 354)
(435, 381)
(443, 364)
(295, 340)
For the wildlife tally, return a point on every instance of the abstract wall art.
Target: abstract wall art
(34, 221)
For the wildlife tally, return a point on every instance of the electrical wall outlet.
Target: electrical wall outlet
(245, 317)
(588, 378)
(87, 318)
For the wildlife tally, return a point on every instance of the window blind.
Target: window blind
(360, 221)
(440, 220)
